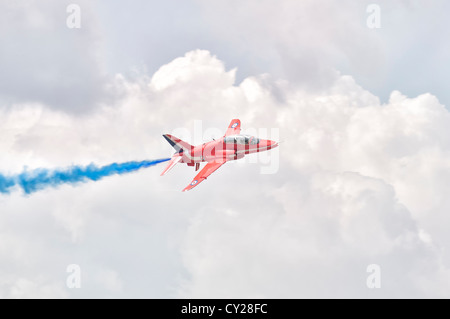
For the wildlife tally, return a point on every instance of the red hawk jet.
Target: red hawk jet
(232, 146)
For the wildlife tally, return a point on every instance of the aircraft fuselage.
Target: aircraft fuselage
(226, 148)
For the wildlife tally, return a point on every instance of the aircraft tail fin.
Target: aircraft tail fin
(177, 143)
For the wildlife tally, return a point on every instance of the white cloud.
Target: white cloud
(110, 280)
(25, 288)
(359, 183)
(317, 244)
(197, 68)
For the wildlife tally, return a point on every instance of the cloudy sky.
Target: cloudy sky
(361, 177)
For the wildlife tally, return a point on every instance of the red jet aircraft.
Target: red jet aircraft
(232, 146)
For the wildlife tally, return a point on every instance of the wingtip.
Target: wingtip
(187, 188)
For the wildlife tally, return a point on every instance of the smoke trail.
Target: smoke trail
(41, 178)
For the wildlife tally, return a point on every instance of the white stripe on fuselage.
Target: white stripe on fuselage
(201, 158)
(192, 158)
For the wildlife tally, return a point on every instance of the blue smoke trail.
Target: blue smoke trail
(41, 178)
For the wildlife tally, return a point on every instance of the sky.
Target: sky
(359, 181)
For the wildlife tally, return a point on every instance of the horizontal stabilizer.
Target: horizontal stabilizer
(174, 160)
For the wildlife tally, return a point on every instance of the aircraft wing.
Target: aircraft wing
(209, 168)
(234, 128)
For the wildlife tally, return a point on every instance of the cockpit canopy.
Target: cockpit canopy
(241, 139)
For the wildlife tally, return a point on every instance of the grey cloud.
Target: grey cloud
(363, 181)
(306, 41)
(42, 60)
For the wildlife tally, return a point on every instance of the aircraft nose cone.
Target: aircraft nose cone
(272, 144)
